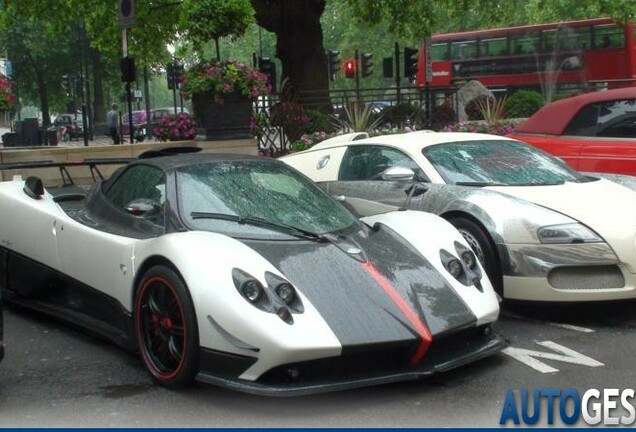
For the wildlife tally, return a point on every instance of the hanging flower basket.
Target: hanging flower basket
(222, 94)
(7, 101)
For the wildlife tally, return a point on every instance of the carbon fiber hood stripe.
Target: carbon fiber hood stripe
(349, 297)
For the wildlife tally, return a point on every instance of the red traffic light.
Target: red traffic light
(350, 68)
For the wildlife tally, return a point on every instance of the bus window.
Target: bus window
(608, 36)
(439, 51)
(463, 50)
(566, 39)
(584, 37)
(549, 40)
(524, 44)
(493, 47)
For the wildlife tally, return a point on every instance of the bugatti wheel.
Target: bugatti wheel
(166, 328)
(483, 247)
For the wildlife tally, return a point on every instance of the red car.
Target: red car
(591, 132)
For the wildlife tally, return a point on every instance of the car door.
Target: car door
(101, 255)
(369, 161)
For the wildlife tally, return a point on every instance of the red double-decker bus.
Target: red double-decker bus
(593, 51)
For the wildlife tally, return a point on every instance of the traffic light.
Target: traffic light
(366, 64)
(128, 71)
(387, 67)
(174, 71)
(67, 85)
(78, 87)
(178, 73)
(410, 63)
(350, 68)
(333, 63)
(170, 76)
(268, 67)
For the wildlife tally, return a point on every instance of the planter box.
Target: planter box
(230, 120)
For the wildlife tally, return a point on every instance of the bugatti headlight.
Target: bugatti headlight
(469, 259)
(567, 234)
(286, 292)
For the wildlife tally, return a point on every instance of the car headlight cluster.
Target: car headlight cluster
(278, 296)
(462, 265)
(567, 233)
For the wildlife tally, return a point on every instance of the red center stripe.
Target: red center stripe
(410, 314)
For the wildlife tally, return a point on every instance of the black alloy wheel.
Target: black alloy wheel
(166, 328)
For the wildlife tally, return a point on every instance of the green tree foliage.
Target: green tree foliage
(205, 20)
(523, 103)
(296, 32)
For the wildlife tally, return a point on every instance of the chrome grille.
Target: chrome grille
(587, 278)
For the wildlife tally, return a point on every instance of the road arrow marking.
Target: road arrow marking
(566, 355)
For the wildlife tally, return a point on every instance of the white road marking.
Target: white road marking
(554, 324)
(571, 327)
(567, 355)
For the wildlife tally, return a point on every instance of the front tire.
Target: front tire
(166, 328)
(483, 247)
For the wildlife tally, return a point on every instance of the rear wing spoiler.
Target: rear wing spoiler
(67, 180)
(94, 163)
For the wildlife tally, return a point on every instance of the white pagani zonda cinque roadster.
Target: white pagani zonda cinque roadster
(239, 271)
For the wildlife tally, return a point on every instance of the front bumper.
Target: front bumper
(539, 289)
(537, 260)
(568, 273)
(349, 372)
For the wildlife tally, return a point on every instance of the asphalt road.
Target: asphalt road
(54, 375)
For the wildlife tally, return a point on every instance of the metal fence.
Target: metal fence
(377, 97)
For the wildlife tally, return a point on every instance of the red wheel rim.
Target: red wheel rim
(161, 329)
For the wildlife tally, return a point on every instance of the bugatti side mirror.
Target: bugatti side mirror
(143, 207)
(398, 174)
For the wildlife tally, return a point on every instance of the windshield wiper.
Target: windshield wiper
(256, 221)
(478, 184)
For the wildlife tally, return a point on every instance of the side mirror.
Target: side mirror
(143, 207)
(398, 174)
(33, 187)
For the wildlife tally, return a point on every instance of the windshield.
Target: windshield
(266, 191)
(497, 162)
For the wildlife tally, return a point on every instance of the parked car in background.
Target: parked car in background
(139, 121)
(239, 271)
(157, 113)
(543, 231)
(591, 132)
(73, 126)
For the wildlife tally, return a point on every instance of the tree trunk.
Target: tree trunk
(99, 108)
(299, 46)
(41, 84)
